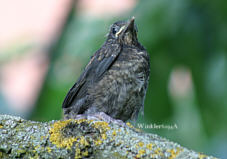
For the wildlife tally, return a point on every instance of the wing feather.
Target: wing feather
(98, 65)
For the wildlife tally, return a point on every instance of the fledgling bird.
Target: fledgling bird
(116, 78)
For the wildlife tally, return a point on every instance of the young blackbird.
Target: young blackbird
(116, 78)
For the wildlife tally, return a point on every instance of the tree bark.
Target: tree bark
(83, 138)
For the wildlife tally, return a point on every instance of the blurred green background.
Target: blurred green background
(187, 42)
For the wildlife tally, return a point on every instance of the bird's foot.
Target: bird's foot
(98, 116)
(81, 116)
(104, 117)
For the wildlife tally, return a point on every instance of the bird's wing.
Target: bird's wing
(93, 72)
(73, 91)
(106, 58)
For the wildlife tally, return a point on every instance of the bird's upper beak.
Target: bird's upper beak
(130, 24)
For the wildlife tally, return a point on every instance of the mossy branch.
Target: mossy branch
(83, 138)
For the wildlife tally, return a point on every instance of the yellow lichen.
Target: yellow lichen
(129, 125)
(158, 152)
(61, 141)
(174, 152)
(37, 147)
(127, 152)
(49, 149)
(104, 136)
(114, 133)
(118, 143)
(77, 154)
(149, 146)
(102, 125)
(56, 134)
(202, 156)
(98, 142)
(85, 153)
(140, 144)
(43, 137)
(78, 121)
(138, 130)
(1, 126)
(83, 141)
(140, 153)
(20, 151)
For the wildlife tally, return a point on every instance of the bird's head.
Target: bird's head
(124, 32)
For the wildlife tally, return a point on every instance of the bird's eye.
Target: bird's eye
(115, 30)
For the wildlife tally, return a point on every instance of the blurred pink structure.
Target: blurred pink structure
(103, 8)
(24, 22)
(38, 22)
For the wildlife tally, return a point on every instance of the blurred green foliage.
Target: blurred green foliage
(186, 33)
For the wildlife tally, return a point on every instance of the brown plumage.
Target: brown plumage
(116, 78)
